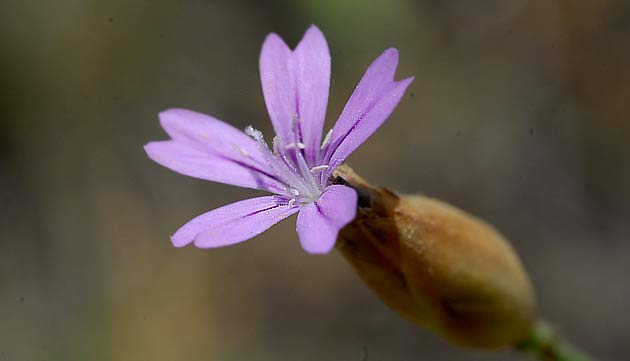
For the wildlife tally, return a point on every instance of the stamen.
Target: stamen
(288, 163)
(312, 191)
(319, 168)
(277, 144)
(240, 150)
(294, 145)
(274, 162)
(302, 183)
(254, 133)
(327, 139)
(297, 131)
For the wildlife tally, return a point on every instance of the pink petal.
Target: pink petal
(183, 158)
(296, 84)
(318, 223)
(233, 223)
(312, 63)
(373, 100)
(209, 134)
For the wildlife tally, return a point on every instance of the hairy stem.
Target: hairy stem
(547, 345)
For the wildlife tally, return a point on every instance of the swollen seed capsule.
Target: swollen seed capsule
(438, 267)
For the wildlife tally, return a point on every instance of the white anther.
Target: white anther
(319, 168)
(294, 191)
(240, 150)
(254, 133)
(327, 139)
(293, 145)
(291, 202)
(277, 144)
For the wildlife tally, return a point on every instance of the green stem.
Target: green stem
(545, 344)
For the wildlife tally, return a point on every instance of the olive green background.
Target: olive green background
(520, 113)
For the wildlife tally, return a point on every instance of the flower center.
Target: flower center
(303, 182)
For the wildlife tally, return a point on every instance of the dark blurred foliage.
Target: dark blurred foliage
(520, 113)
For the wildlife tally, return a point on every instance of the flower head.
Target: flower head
(297, 167)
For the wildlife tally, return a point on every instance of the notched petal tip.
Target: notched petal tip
(172, 111)
(151, 149)
(273, 40)
(371, 103)
(393, 52)
(404, 83)
(314, 40)
(174, 117)
(179, 242)
(313, 33)
(390, 56)
(385, 64)
(313, 27)
(168, 115)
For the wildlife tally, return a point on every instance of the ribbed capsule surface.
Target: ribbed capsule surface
(438, 266)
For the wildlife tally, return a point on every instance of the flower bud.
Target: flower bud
(438, 266)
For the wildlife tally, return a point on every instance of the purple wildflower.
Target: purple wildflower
(298, 167)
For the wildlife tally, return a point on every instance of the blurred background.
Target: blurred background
(520, 113)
